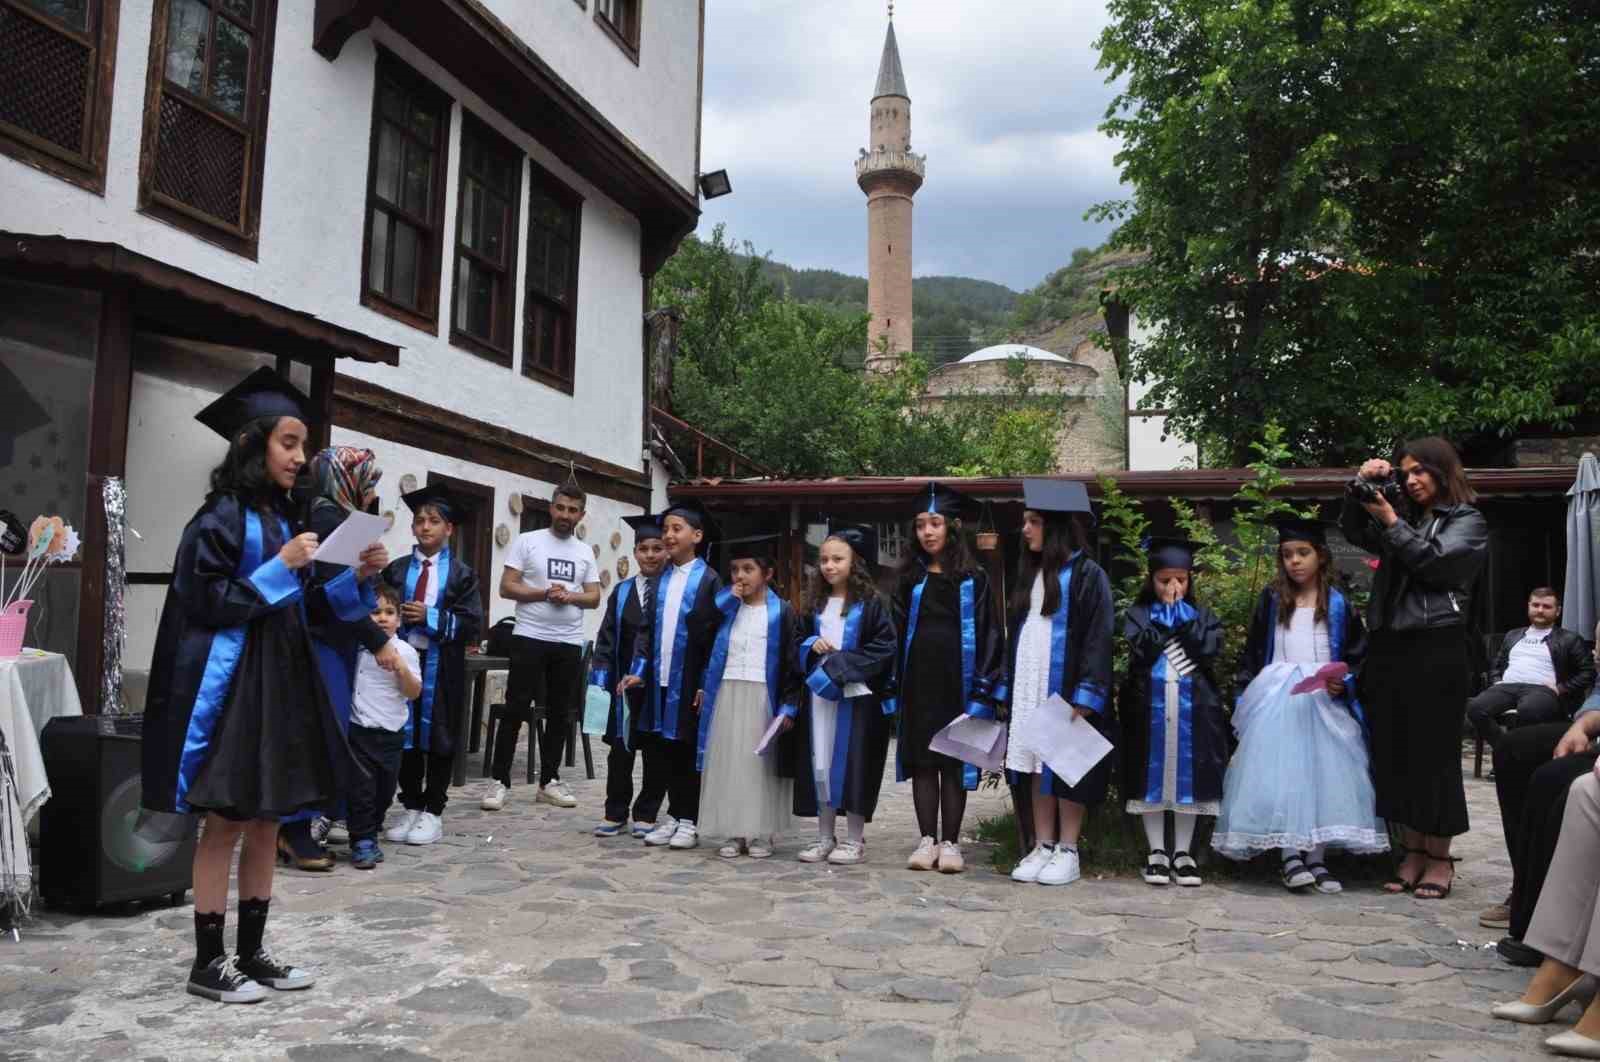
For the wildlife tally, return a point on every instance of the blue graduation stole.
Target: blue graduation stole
(419, 736)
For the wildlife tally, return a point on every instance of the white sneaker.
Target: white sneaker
(319, 829)
(950, 859)
(397, 832)
(926, 857)
(1062, 868)
(685, 836)
(732, 850)
(816, 853)
(338, 832)
(662, 833)
(1027, 871)
(759, 849)
(494, 798)
(557, 794)
(428, 829)
(849, 854)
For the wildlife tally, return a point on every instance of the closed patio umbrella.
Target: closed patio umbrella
(1582, 593)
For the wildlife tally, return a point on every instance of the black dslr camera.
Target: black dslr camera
(1364, 491)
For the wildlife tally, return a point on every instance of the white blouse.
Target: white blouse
(747, 644)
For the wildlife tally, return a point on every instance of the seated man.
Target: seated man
(1541, 672)
(1534, 766)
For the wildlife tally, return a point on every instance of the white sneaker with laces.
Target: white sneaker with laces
(428, 829)
(397, 832)
(494, 798)
(1062, 868)
(685, 836)
(557, 794)
(1027, 871)
(759, 849)
(950, 858)
(816, 853)
(319, 829)
(926, 856)
(662, 833)
(848, 854)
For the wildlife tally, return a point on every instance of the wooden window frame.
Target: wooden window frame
(625, 37)
(563, 193)
(243, 238)
(506, 304)
(85, 168)
(426, 317)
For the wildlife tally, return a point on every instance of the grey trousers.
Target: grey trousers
(1564, 926)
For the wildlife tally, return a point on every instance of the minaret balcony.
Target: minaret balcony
(890, 163)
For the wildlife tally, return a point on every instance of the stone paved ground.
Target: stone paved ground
(522, 937)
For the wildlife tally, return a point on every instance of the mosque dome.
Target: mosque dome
(1007, 351)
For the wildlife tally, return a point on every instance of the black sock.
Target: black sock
(208, 937)
(252, 924)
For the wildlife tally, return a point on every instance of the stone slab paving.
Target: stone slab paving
(520, 936)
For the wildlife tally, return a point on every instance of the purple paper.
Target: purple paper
(772, 732)
(1319, 680)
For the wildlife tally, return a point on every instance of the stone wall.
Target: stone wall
(1541, 451)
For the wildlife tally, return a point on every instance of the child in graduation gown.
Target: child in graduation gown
(751, 680)
(669, 661)
(1060, 636)
(613, 654)
(1174, 730)
(1300, 779)
(441, 614)
(949, 659)
(846, 649)
(238, 726)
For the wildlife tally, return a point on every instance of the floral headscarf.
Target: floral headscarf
(347, 477)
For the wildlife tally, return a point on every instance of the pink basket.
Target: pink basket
(13, 624)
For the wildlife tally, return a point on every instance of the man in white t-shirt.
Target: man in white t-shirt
(552, 577)
(1542, 673)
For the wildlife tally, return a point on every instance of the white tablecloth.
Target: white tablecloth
(34, 689)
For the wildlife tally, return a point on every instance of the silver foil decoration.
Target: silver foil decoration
(115, 495)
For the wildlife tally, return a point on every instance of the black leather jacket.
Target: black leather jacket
(1574, 663)
(1426, 570)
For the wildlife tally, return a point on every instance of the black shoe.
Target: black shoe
(221, 980)
(1517, 953)
(263, 968)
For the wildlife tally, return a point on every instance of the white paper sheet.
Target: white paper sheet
(856, 689)
(344, 546)
(1068, 745)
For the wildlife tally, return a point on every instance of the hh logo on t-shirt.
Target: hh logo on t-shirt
(561, 570)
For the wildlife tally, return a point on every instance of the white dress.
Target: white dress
(825, 713)
(1030, 685)
(1300, 776)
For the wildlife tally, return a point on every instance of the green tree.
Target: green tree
(1365, 219)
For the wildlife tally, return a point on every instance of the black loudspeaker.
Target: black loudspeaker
(89, 852)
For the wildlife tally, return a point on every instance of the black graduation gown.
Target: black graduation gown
(234, 676)
(455, 622)
(946, 669)
(1081, 654)
(1203, 724)
(1347, 641)
(674, 717)
(613, 653)
(861, 741)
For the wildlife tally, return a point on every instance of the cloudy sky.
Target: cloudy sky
(1005, 99)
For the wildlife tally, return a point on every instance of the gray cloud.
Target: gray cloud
(1005, 98)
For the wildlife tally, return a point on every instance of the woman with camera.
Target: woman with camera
(1431, 544)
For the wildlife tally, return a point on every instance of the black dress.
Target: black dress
(930, 688)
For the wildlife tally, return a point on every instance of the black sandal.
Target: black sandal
(1157, 868)
(1296, 875)
(1184, 870)
(1435, 890)
(1325, 881)
(1397, 885)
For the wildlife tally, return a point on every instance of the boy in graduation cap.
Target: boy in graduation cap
(1175, 732)
(613, 655)
(669, 661)
(440, 615)
(238, 726)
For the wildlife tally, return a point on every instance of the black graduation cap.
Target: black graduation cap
(861, 538)
(763, 548)
(1295, 529)
(694, 515)
(645, 526)
(261, 394)
(938, 498)
(1171, 553)
(1056, 496)
(438, 496)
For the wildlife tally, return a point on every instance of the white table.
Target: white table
(35, 688)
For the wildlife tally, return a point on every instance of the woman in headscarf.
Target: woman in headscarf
(339, 480)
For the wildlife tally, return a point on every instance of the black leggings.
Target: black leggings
(936, 789)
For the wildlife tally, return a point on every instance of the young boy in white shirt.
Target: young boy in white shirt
(379, 709)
